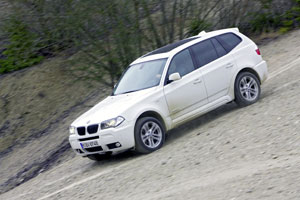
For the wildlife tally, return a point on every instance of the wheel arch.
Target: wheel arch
(151, 113)
(244, 69)
(251, 70)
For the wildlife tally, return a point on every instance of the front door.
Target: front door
(188, 93)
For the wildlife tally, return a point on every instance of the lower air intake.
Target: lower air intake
(94, 149)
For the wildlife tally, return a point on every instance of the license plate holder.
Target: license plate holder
(90, 144)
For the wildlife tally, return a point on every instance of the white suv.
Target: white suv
(168, 87)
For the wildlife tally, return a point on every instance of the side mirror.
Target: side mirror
(174, 77)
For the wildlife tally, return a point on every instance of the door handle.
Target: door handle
(198, 80)
(229, 65)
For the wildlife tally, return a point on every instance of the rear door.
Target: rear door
(216, 66)
(188, 93)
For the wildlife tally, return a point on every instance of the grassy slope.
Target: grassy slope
(37, 105)
(32, 98)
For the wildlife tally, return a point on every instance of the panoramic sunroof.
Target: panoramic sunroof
(170, 47)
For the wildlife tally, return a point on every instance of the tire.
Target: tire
(146, 139)
(99, 157)
(247, 89)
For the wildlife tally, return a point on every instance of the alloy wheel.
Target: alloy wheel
(151, 134)
(249, 88)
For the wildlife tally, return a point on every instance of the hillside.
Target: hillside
(36, 107)
(230, 153)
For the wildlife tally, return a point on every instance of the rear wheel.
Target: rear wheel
(247, 89)
(149, 135)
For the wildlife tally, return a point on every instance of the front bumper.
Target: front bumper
(110, 140)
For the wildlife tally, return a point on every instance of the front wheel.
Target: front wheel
(247, 89)
(149, 135)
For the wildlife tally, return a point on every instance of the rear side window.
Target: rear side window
(229, 41)
(220, 50)
(204, 53)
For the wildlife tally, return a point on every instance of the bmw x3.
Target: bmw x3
(168, 87)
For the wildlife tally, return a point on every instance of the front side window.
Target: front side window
(204, 52)
(141, 76)
(181, 63)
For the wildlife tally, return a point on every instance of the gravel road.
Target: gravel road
(230, 153)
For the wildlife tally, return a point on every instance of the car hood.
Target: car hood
(110, 107)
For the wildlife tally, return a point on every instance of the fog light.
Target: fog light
(114, 145)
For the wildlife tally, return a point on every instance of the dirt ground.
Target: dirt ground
(230, 153)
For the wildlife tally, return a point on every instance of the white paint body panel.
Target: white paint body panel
(186, 94)
(217, 76)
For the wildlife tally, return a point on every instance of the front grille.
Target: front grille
(94, 149)
(81, 130)
(92, 128)
(89, 138)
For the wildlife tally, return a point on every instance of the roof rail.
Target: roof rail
(234, 29)
(202, 33)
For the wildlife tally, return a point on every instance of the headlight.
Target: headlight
(111, 123)
(72, 130)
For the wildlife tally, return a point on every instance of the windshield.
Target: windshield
(141, 76)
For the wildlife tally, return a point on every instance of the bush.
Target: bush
(291, 18)
(196, 26)
(110, 34)
(265, 22)
(22, 48)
